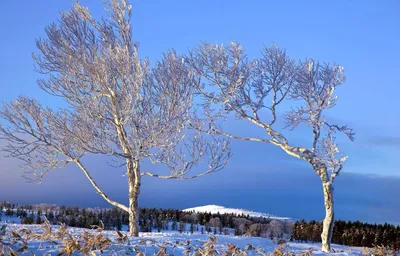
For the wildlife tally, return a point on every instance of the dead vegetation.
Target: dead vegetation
(379, 250)
(95, 242)
(86, 244)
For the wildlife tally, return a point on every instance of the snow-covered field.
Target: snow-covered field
(53, 239)
(214, 209)
(151, 243)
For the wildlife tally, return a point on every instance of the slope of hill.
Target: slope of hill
(214, 209)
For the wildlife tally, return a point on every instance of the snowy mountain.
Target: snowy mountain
(213, 209)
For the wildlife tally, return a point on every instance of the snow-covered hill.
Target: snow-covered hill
(213, 209)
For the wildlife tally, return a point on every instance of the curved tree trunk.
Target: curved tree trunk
(134, 190)
(328, 222)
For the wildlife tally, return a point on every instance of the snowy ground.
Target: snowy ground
(172, 242)
(151, 243)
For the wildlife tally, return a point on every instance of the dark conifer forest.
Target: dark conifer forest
(350, 233)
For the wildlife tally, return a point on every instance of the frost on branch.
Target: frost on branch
(267, 92)
(259, 91)
(118, 104)
(329, 154)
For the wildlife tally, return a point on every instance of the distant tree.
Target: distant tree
(350, 233)
(81, 222)
(159, 223)
(50, 216)
(271, 235)
(215, 222)
(9, 212)
(63, 220)
(182, 227)
(38, 219)
(72, 221)
(257, 91)
(257, 229)
(276, 227)
(237, 232)
(118, 106)
(241, 225)
(150, 224)
(191, 228)
(118, 225)
(174, 225)
(29, 219)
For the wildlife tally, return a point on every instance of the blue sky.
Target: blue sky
(363, 36)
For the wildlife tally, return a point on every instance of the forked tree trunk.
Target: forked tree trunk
(328, 222)
(134, 190)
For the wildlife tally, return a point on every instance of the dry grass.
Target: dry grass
(15, 245)
(85, 244)
(15, 242)
(379, 250)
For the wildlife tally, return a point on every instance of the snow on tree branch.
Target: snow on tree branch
(260, 90)
(270, 91)
(118, 105)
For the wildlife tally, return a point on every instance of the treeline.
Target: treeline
(151, 220)
(350, 233)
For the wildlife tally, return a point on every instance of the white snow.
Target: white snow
(214, 209)
(174, 242)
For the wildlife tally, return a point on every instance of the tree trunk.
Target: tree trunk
(327, 229)
(134, 190)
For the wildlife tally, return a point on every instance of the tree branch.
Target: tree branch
(175, 176)
(99, 190)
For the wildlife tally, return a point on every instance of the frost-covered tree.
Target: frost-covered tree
(269, 92)
(276, 227)
(215, 222)
(118, 106)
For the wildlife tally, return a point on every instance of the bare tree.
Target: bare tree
(215, 222)
(254, 90)
(118, 106)
(276, 227)
(241, 224)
